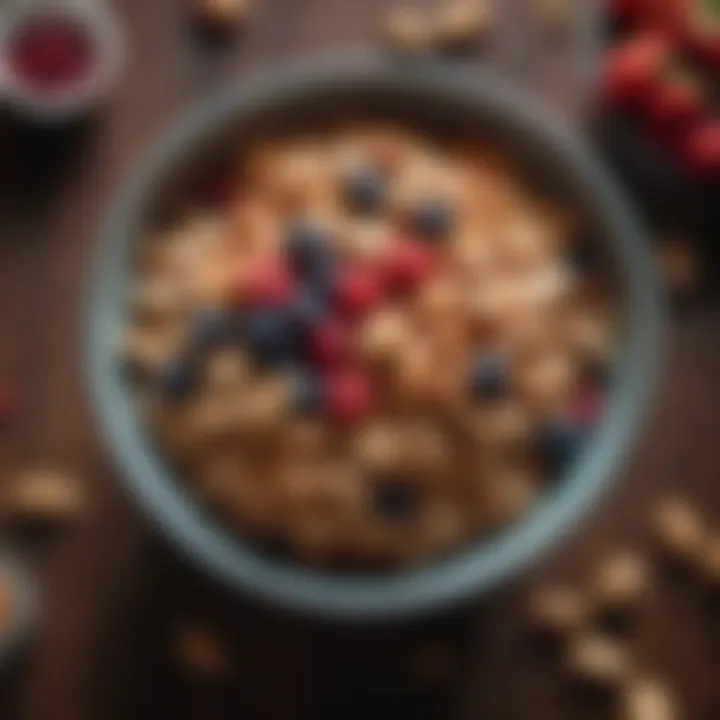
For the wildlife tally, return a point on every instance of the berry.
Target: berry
(308, 251)
(269, 284)
(674, 106)
(632, 71)
(407, 265)
(308, 393)
(366, 191)
(702, 150)
(329, 344)
(585, 407)
(490, 379)
(558, 443)
(358, 291)
(395, 499)
(432, 220)
(349, 396)
(178, 380)
(307, 312)
(269, 336)
(209, 328)
(585, 256)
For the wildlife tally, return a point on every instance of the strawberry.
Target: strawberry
(632, 71)
(702, 150)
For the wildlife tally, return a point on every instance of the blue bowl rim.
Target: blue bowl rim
(408, 592)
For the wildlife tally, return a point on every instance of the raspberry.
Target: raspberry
(330, 344)
(702, 150)
(269, 284)
(358, 292)
(407, 265)
(349, 396)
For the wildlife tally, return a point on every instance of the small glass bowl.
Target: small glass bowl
(106, 42)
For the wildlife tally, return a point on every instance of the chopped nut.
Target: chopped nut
(227, 371)
(598, 661)
(378, 448)
(557, 611)
(460, 23)
(383, 336)
(679, 530)
(621, 582)
(408, 30)
(649, 700)
(201, 653)
(222, 14)
(44, 496)
(678, 264)
(509, 495)
(156, 299)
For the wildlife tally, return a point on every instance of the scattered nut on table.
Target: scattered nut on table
(200, 652)
(678, 264)
(557, 611)
(599, 661)
(461, 23)
(649, 700)
(408, 30)
(44, 496)
(621, 582)
(222, 14)
(679, 530)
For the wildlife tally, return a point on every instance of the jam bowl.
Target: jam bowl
(437, 100)
(58, 58)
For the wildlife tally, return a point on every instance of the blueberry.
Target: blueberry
(308, 311)
(269, 336)
(308, 393)
(585, 256)
(559, 442)
(209, 328)
(490, 378)
(366, 191)
(395, 499)
(178, 380)
(432, 220)
(308, 249)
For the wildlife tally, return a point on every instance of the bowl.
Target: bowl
(440, 99)
(95, 24)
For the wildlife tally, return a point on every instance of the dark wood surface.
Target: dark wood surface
(113, 592)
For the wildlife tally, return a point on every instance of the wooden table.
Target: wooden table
(114, 593)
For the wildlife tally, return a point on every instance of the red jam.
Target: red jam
(51, 54)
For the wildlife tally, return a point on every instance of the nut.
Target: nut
(598, 661)
(222, 14)
(227, 371)
(408, 30)
(557, 611)
(200, 652)
(621, 582)
(649, 700)
(378, 448)
(44, 496)
(460, 23)
(679, 531)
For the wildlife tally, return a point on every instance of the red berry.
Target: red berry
(675, 104)
(358, 291)
(702, 150)
(407, 265)
(627, 10)
(268, 284)
(585, 407)
(330, 344)
(349, 396)
(632, 70)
